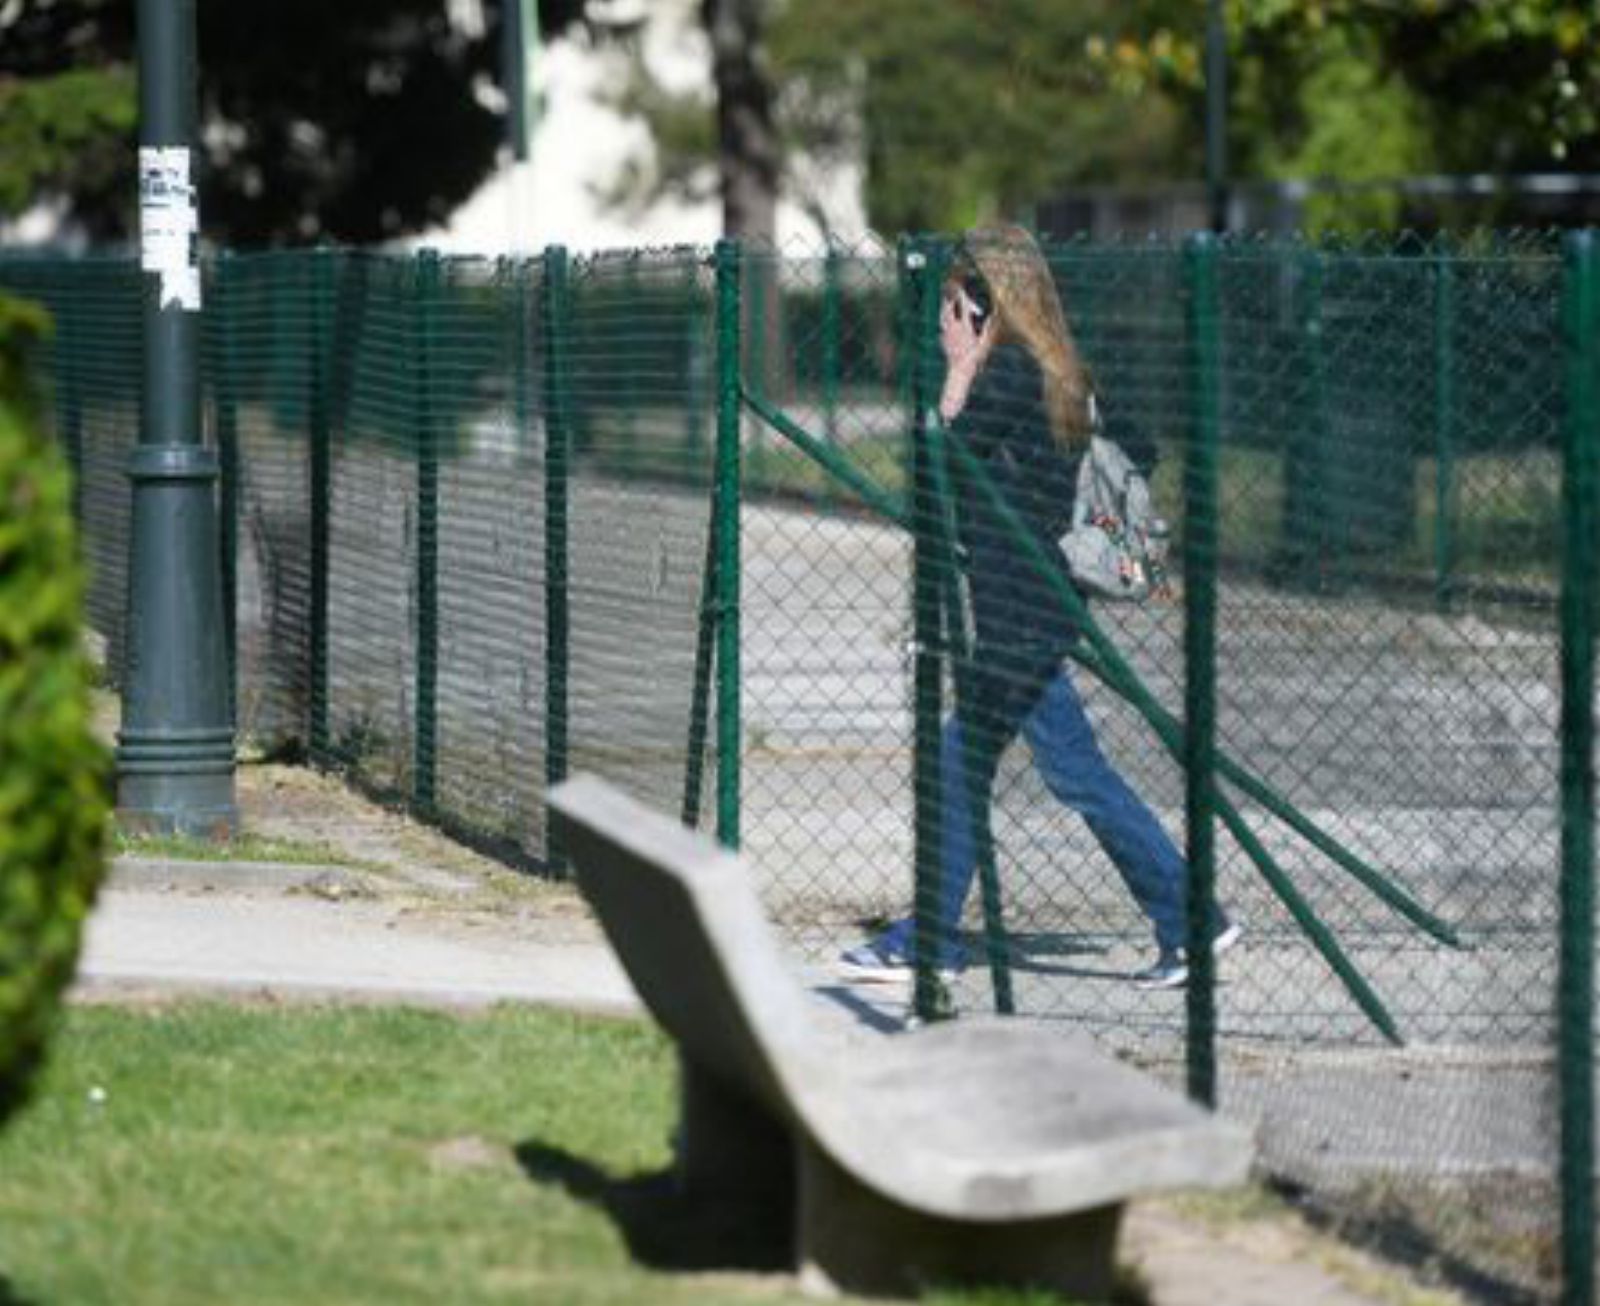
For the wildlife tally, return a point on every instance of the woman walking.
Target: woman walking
(1017, 394)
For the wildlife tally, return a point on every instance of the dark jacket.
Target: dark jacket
(1022, 627)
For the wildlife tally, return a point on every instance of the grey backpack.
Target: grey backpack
(1116, 546)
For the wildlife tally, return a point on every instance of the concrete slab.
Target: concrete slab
(309, 947)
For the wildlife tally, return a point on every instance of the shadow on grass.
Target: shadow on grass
(663, 1228)
(9, 1296)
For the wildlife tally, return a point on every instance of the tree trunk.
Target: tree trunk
(747, 140)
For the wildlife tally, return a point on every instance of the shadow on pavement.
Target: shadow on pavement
(887, 1018)
(1053, 954)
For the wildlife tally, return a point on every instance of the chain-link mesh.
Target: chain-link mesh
(470, 528)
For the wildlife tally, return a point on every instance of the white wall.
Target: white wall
(580, 146)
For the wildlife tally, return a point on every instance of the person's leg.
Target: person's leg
(992, 707)
(957, 838)
(1077, 773)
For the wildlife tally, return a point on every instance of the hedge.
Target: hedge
(53, 772)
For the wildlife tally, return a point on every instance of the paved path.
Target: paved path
(352, 950)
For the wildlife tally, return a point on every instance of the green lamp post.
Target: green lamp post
(175, 754)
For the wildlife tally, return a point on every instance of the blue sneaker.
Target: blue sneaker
(890, 959)
(1171, 969)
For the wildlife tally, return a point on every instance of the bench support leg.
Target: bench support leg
(853, 1240)
(729, 1148)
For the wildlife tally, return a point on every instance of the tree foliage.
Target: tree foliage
(353, 122)
(1490, 86)
(69, 124)
(956, 109)
(970, 109)
(960, 108)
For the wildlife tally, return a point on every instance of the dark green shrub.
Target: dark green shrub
(53, 772)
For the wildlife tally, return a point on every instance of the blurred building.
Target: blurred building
(582, 145)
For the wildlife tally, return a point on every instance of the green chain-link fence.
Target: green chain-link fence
(478, 539)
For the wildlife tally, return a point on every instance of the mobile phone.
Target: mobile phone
(981, 306)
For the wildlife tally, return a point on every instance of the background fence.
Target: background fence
(469, 530)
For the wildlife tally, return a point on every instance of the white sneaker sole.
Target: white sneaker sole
(886, 974)
(874, 974)
(1227, 938)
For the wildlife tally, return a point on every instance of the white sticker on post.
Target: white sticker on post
(169, 226)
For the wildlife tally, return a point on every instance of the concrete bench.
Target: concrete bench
(973, 1151)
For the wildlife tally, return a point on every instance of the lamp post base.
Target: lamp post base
(177, 783)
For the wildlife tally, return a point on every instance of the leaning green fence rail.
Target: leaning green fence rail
(1581, 483)
(1200, 667)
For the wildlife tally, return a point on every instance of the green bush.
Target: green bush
(53, 772)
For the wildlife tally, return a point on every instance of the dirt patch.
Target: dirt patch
(404, 858)
(470, 1152)
(1247, 1249)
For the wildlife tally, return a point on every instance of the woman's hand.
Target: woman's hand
(965, 345)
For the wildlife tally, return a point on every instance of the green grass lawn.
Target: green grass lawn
(207, 1153)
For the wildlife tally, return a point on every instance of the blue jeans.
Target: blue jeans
(1076, 772)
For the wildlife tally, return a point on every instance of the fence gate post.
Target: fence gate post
(726, 526)
(923, 316)
(1199, 654)
(706, 624)
(424, 741)
(557, 466)
(1580, 483)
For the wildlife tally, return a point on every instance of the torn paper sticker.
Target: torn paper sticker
(169, 226)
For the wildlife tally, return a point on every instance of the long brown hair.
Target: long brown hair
(1028, 311)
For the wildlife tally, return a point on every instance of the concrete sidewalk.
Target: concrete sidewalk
(291, 930)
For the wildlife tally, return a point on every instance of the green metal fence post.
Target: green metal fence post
(424, 739)
(224, 395)
(1199, 659)
(729, 414)
(700, 693)
(954, 636)
(1444, 425)
(557, 470)
(923, 313)
(320, 430)
(1580, 484)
